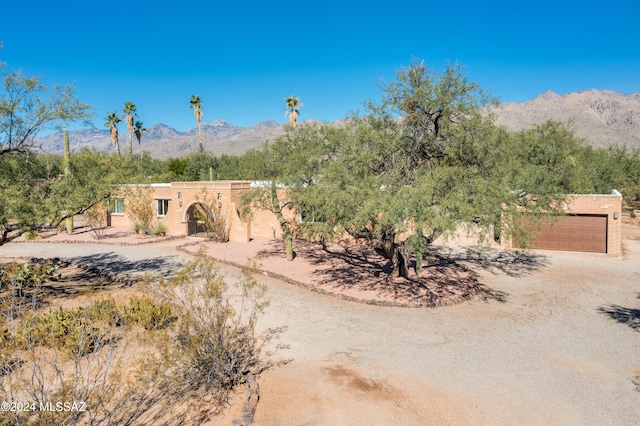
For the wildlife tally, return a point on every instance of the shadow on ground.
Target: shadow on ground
(512, 263)
(119, 266)
(350, 268)
(622, 315)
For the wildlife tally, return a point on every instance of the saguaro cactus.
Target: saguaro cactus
(67, 174)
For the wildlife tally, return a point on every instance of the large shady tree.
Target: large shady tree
(287, 166)
(421, 162)
(28, 107)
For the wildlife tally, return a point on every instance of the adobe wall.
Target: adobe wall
(224, 196)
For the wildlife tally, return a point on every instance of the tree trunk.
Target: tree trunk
(286, 231)
(391, 250)
(130, 145)
(114, 138)
(130, 127)
(419, 247)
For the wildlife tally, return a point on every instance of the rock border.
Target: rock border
(103, 242)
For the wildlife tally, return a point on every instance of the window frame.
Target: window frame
(114, 203)
(162, 207)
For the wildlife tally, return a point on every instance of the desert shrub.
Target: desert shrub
(96, 219)
(19, 278)
(139, 208)
(149, 314)
(108, 311)
(42, 374)
(73, 355)
(202, 343)
(71, 330)
(211, 217)
(214, 345)
(160, 230)
(79, 330)
(30, 235)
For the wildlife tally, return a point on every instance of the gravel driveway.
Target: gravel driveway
(556, 342)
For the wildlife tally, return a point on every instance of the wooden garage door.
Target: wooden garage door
(573, 233)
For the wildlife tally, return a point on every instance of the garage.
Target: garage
(580, 232)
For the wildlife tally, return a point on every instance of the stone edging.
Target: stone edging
(103, 242)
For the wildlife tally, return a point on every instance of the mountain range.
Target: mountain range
(600, 117)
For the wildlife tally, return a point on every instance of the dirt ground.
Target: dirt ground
(553, 338)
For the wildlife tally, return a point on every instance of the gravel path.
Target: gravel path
(557, 342)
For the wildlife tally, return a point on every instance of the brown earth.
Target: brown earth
(551, 339)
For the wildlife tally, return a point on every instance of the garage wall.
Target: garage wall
(601, 204)
(586, 233)
(592, 211)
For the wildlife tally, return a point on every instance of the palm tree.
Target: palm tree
(139, 131)
(196, 104)
(294, 109)
(112, 123)
(128, 113)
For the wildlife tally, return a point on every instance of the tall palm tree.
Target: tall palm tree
(139, 131)
(112, 123)
(129, 111)
(294, 109)
(196, 104)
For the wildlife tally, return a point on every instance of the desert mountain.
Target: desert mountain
(601, 118)
(162, 141)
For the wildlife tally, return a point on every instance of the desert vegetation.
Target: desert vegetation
(169, 350)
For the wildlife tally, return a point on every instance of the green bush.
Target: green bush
(71, 330)
(148, 314)
(30, 235)
(16, 276)
(160, 230)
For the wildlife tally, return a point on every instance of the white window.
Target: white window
(116, 206)
(163, 207)
(309, 215)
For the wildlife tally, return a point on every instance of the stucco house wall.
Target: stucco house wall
(180, 197)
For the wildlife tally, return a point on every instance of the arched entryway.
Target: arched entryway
(195, 221)
(206, 221)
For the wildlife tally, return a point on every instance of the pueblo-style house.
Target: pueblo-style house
(176, 206)
(592, 223)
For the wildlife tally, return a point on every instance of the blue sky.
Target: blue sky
(244, 58)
